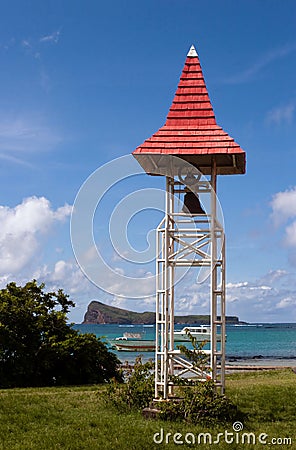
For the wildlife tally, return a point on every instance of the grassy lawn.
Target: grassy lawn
(76, 418)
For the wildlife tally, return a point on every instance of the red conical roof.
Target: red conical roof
(191, 131)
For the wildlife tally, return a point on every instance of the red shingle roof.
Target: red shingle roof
(191, 131)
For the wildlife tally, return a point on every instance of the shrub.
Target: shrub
(199, 403)
(137, 390)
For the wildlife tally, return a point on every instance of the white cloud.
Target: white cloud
(66, 274)
(90, 255)
(271, 298)
(53, 37)
(290, 238)
(192, 297)
(284, 206)
(281, 114)
(237, 285)
(261, 300)
(21, 231)
(283, 210)
(274, 276)
(260, 288)
(268, 299)
(286, 303)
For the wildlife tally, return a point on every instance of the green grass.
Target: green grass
(77, 418)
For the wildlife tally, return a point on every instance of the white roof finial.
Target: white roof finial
(192, 52)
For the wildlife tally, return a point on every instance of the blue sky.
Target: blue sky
(82, 83)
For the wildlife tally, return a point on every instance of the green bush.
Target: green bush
(199, 403)
(137, 390)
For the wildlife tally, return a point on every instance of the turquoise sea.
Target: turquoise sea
(258, 343)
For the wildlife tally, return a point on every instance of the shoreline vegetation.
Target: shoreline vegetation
(100, 313)
(76, 417)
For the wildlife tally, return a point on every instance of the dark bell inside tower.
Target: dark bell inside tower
(192, 204)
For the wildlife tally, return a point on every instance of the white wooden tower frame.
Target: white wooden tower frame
(179, 244)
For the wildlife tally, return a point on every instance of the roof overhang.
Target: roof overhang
(226, 164)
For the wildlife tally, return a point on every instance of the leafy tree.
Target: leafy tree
(38, 347)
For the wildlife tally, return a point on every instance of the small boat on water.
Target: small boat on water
(133, 342)
(200, 333)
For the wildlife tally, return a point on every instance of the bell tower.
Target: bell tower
(190, 150)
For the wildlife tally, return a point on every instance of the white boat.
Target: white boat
(133, 342)
(200, 333)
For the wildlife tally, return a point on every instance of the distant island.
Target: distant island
(99, 313)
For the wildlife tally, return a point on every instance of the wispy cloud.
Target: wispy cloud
(281, 115)
(16, 160)
(26, 43)
(45, 81)
(53, 37)
(6, 45)
(250, 72)
(25, 134)
(34, 44)
(30, 48)
(34, 47)
(31, 45)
